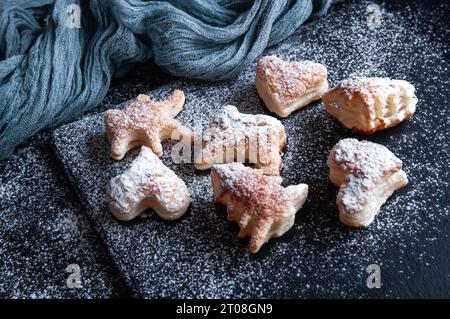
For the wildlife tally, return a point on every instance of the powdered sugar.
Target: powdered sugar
(43, 229)
(233, 136)
(263, 194)
(200, 254)
(368, 159)
(289, 80)
(147, 179)
(364, 165)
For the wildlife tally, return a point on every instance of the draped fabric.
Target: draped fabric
(57, 58)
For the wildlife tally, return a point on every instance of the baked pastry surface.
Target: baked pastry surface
(367, 174)
(288, 86)
(257, 202)
(236, 137)
(145, 122)
(370, 104)
(147, 183)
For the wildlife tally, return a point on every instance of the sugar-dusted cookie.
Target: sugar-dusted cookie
(147, 183)
(258, 203)
(368, 174)
(237, 137)
(145, 122)
(370, 104)
(289, 86)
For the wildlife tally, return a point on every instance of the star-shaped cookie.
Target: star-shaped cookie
(145, 122)
(289, 86)
(258, 203)
(236, 137)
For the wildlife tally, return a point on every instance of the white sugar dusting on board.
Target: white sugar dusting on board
(43, 230)
(201, 256)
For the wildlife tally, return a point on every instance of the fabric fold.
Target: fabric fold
(52, 69)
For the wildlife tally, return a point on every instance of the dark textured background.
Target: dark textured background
(44, 226)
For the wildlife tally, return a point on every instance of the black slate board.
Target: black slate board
(200, 254)
(43, 230)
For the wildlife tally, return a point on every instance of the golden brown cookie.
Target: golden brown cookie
(237, 137)
(258, 203)
(145, 122)
(289, 86)
(367, 174)
(370, 104)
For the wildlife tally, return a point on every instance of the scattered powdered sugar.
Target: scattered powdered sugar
(43, 230)
(200, 256)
